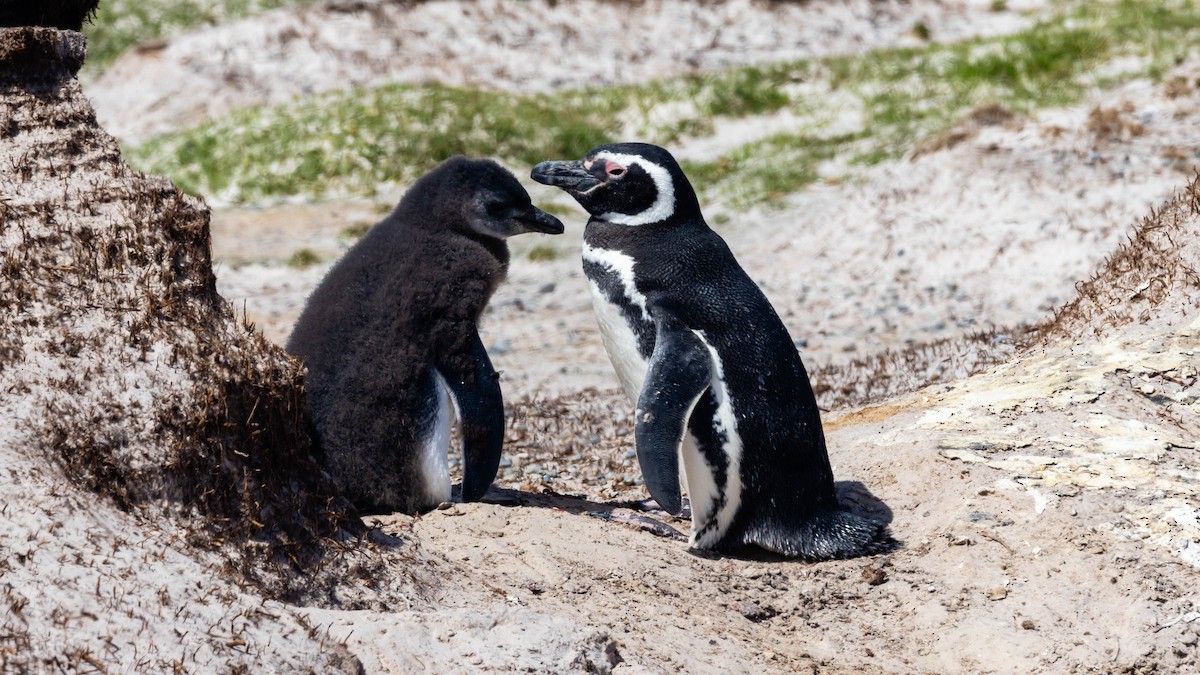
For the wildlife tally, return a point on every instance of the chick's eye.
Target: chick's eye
(496, 209)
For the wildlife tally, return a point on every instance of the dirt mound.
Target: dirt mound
(128, 376)
(1154, 278)
(134, 373)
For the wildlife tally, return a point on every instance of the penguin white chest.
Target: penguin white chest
(617, 302)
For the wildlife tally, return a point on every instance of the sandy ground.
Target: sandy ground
(1037, 536)
(1047, 509)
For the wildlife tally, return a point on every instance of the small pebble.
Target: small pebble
(1028, 624)
(754, 611)
(998, 593)
(874, 576)
(753, 572)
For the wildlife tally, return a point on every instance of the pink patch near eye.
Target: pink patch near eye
(613, 169)
(588, 165)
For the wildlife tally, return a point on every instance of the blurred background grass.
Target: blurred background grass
(847, 112)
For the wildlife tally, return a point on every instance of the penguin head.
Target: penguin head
(626, 183)
(477, 197)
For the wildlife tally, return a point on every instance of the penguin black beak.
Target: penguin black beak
(537, 220)
(568, 175)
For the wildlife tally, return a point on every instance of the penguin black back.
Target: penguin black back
(717, 381)
(394, 324)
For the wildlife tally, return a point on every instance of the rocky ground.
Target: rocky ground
(1047, 509)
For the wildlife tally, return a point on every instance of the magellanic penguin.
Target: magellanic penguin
(715, 378)
(390, 338)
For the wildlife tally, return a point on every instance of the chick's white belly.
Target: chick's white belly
(620, 343)
(434, 451)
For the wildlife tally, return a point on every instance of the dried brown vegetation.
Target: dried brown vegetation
(988, 115)
(1152, 276)
(1113, 124)
(120, 361)
(897, 371)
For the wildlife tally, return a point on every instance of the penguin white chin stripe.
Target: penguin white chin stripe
(663, 206)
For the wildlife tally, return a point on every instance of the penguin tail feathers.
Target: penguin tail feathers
(830, 534)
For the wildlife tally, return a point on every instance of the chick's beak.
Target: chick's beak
(537, 220)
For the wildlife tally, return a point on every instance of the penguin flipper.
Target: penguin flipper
(680, 372)
(480, 406)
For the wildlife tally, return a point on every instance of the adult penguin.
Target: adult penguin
(391, 341)
(716, 379)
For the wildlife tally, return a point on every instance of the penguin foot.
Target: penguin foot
(651, 506)
(642, 523)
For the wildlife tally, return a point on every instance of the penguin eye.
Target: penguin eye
(614, 170)
(496, 209)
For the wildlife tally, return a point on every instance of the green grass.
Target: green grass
(354, 232)
(850, 112)
(120, 24)
(903, 95)
(563, 209)
(304, 258)
(543, 253)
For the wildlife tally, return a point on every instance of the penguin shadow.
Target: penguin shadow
(859, 500)
(645, 516)
(642, 515)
